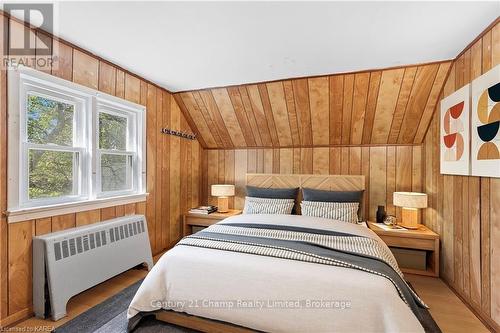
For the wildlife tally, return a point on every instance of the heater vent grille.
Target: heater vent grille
(83, 243)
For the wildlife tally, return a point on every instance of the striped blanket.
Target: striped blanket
(309, 245)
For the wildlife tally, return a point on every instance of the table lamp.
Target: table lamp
(223, 192)
(410, 202)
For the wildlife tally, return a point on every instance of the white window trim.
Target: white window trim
(26, 214)
(88, 197)
(112, 105)
(83, 106)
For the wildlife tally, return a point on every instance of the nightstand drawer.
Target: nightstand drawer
(201, 221)
(410, 243)
(205, 220)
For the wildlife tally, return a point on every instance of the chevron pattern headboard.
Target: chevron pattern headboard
(319, 182)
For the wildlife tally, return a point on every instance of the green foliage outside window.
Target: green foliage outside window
(50, 172)
(112, 132)
(114, 172)
(113, 136)
(50, 122)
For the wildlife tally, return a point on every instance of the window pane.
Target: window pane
(50, 121)
(112, 132)
(115, 172)
(50, 173)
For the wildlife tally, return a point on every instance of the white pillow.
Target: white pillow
(341, 211)
(268, 206)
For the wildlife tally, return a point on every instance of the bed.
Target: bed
(281, 273)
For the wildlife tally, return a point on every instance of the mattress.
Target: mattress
(272, 294)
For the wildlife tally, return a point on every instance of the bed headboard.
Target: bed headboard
(319, 182)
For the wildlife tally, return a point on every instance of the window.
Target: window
(70, 144)
(117, 153)
(52, 151)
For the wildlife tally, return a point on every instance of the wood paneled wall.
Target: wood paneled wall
(391, 106)
(386, 169)
(173, 173)
(382, 124)
(371, 123)
(465, 211)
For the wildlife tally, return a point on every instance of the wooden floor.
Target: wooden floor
(86, 300)
(446, 308)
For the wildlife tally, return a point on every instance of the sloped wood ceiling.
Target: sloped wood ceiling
(392, 106)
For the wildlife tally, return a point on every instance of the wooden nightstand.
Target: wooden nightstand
(421, 239)
(201, 220)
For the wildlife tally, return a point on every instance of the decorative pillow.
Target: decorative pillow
(309, 194)
(331, 196)
(268, 206)
(272, 193)
(341, 211)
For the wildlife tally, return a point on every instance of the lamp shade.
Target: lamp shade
(410, 199)
(223, 190)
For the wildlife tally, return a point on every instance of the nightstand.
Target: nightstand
(202, 220)
(421, 239)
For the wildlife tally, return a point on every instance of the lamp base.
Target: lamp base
(222, 204)
(409, 218)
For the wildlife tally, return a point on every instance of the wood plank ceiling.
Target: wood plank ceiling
(390, 106)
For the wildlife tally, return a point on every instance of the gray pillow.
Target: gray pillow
(340, 211)
(268, 206)
(272, 193)
(331, 196)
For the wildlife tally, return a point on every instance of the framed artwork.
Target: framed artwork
(485, 122)
(454, 137)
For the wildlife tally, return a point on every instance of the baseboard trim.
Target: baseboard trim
(484, 318)
(16, 317)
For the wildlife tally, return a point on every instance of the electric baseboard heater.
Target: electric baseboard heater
(68, 262)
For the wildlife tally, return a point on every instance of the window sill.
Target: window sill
(24, 214)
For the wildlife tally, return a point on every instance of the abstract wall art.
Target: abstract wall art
(455, 133)
(485, 122)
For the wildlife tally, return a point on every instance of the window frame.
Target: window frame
(134, 146)
(80, 129)
(23, 81)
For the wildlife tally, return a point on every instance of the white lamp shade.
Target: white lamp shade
(410, 199)
(223, 190)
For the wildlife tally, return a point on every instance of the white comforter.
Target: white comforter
(271, 294)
